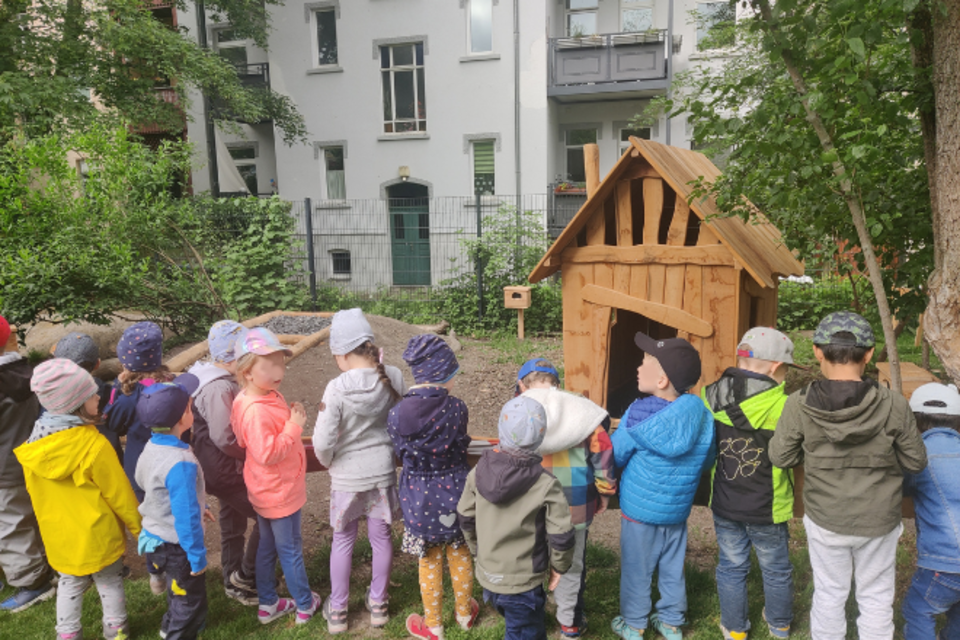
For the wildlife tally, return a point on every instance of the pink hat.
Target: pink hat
(62, 386)
(260, 341)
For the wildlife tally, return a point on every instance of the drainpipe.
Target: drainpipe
(669, 64)
(516, 111)
(207, 120)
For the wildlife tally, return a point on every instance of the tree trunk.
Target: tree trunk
(849, 194)
(942, 318)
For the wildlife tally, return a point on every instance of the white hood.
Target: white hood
(570, 418)
(207, 372)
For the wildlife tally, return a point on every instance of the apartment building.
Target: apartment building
(426, 99)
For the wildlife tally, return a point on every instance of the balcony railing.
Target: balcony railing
(254, 75)
(168, 95)
(612, 62)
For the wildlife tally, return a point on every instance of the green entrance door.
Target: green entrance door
(410, 234)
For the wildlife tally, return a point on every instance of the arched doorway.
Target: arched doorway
(409, 208)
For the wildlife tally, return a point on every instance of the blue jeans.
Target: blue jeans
(522, 613)
(771, 543)
(645, 548)
(932, 593)
(281, 537)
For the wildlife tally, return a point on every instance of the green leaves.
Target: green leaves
(856, 45)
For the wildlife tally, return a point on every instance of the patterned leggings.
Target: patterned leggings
(431, 581)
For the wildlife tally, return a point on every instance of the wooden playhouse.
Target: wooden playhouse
(635, 259)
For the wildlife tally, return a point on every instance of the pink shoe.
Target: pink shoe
(303, 617)
(419, 629)
(466, 622)
(268, 613)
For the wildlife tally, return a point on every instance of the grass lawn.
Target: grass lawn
(228, 620)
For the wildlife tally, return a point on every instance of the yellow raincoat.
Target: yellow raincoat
(82, 499)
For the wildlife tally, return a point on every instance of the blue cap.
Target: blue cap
(161, 405)
(531, 365)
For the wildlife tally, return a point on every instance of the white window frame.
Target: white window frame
(634, 5)
(566, 147)
(622, 145)
(468, 4)
(246, 162)
(700, 36)
(326, 177)
(315, 37)
(418, 70)
(229, 44)
(571, 12)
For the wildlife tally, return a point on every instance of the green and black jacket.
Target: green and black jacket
(746, 486)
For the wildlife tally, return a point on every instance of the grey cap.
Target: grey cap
(522, 426)
(844, 322)
(765, 343)
(348, 330)
(79, 348)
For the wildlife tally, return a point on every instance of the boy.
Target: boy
(21, 549)
(510, 510)
(752, 500)
(221, 459)
(663, 445)
(936, 498)
(576, 451)
(173, 505)
(855, 440)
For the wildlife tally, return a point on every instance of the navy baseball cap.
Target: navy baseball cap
(161, 405)
(678, 358)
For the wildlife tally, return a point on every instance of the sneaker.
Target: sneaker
(573, 632)
(25, 598)
(336, 619)
(466, 622)
(625, 631)
(240, 582)
(158, 584)
(163, 635)
(378, 612)
(303, 617)
(118, 632)
(732, 635)
(244, 597)
(417, 628)
(776, 632)
(76, 635)
(667, 631)
(270, 612)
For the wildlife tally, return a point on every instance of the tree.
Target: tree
(68, 63)
(816, 120)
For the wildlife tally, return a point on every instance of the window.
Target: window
(636, 15)
(643, 133)
(326, 37)
(481, 26)
(581, 17)
(341, 262)
(336, 181)
(714, 25)
(575, 139)
(483, 174)
(245, 159)
(404, 98)
(230, 48)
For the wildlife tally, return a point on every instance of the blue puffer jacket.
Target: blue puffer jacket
(663, 448)
(936, 499)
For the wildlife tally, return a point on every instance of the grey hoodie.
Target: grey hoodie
(350, 437)
(855, 440)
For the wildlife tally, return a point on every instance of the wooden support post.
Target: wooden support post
(591, 166)
(652, 209)
(520, 324)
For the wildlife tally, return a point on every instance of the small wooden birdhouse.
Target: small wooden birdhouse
(635, 259)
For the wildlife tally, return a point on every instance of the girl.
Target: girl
(273, 470)
(140, 352)
(82, 500)
(351, 440)
(429, 431)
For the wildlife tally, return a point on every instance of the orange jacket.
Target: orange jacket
(276, 463)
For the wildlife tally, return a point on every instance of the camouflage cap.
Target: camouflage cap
(844, 321)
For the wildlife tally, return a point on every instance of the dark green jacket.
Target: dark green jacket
(855, 441)
(746, 486)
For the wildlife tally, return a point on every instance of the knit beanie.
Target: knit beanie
(522, 426)
(141, 347)
(62, 386)
(78, 347)
(4, 333)
(222, 339)
(431, 359)
(348, 330)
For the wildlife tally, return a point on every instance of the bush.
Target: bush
(801, 306)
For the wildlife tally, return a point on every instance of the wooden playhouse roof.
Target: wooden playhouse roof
(756, 244)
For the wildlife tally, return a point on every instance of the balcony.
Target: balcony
(175, 126)
(609, 66)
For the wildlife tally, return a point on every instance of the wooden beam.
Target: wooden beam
(638, 170)
(624, 215)
(678, 225)
(596, 228)
(670, 316)
(650, 254)
(707, 236)
(591, 165)
(601, 348)
(652, 209)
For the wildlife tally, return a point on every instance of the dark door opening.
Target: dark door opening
(409, 209)
(625, 357)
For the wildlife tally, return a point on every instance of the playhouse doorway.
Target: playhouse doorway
(625, 357)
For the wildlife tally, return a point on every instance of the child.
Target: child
(274, 471)
(82, 350)
(81, 496)
(663, 444)
(577, 451)
(752, 500)
(510, 511)
(221, 459)
(855, 440)
(174, 506)
(429, 431)
(21, 549)
(351, 440)
(140, 351)
(936, 499)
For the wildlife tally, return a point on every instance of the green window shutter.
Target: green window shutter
(483, 173)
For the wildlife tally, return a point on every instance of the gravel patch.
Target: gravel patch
(296, 325)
